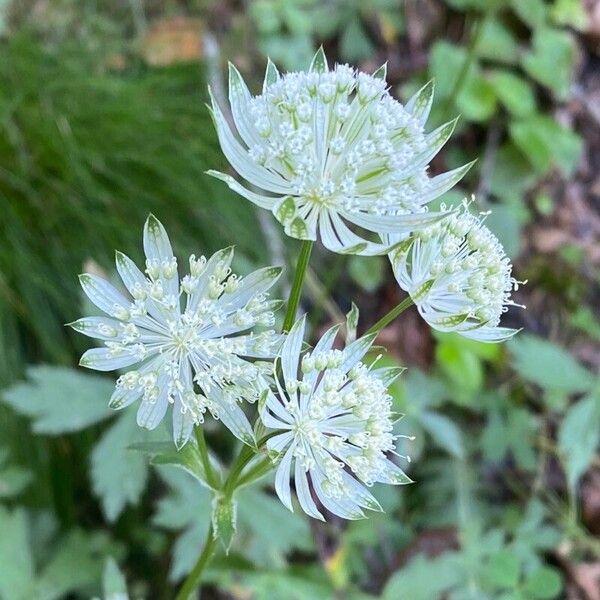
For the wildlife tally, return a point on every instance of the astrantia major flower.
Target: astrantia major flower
(332, 423)
(459, 276)
(334, 155)
(189, 342)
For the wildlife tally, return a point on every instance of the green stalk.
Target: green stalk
(387, 319)
(193, 579)
(232, 482)
(296, 292)
(211, 477)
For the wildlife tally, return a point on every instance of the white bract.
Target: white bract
(332, 420)
(459, 276)
(329, 149)
(189, 342)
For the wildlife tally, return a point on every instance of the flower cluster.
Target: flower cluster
(332, 148)
(332, 417)
(190, 341)
(459, 276)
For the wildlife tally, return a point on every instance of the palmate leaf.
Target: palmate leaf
(119, 474)
(72, 563)
(60, 400)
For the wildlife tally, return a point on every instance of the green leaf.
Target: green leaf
(188, 458)
(425, 579)
(570, 13)
(17, 571)
(461, 366)
(114, 586)
(77, 564)
(185, 509)
(504, 569)
(546, 143)
(552, 59)
(543, 584)
(514, 92)
(13, 479)
(118, 474)
(497, 43)
(579, 436)
(73, 563)
(532, 12)
(444, 432)
(512, 175)
(224, 516)
(61, 400)
(445, 63)
(257, 511)
(548, 365)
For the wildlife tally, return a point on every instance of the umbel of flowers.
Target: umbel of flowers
(459, 276)
(336, 159)
(191, 343)
(334, 423)
(331, 151)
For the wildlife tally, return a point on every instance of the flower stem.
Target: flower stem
(193, 579)
(211, 478)
(387, 319)
(296, 291)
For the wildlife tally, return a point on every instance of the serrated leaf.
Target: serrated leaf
(188, 459)
(548, 365)
(61, 400)
(118, 474)
(224, 517)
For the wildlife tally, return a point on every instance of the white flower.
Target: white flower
(334, 417)
(459, 276)
(328, 148)
(185, 339)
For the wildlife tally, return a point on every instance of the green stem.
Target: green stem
(193, 579)
(295, 293)
(261, 468)
(211, 477)
(387, 319)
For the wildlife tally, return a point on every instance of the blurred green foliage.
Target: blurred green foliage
(92, 139)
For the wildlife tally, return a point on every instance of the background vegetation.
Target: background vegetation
(102, 120)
